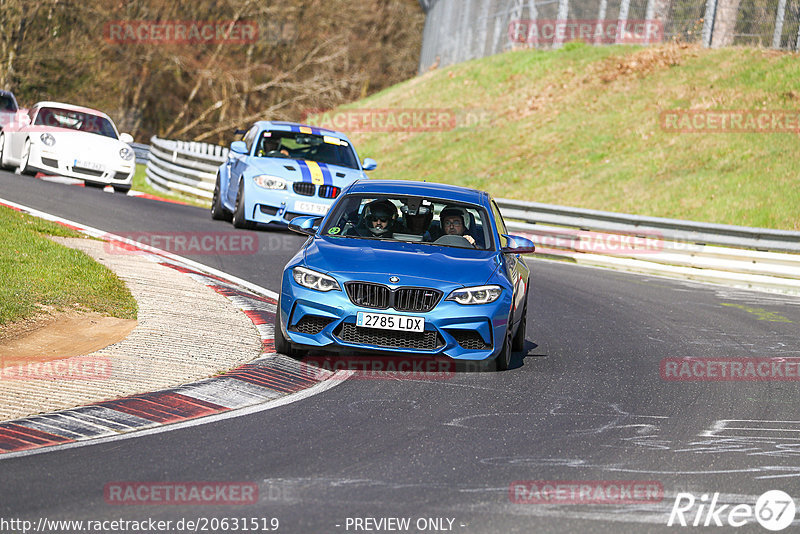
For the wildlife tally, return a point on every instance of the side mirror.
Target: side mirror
(519, 245)
(306, 225)
(369, 164)
(240, 147)
(126, 138)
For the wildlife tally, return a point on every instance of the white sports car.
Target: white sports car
(71, 141)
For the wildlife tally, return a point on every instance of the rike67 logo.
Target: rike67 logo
(773, 510)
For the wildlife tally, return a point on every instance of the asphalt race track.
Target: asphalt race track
(587, 403)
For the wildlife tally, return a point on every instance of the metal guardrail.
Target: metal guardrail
(142, 152)
(737, 256)
(184, 167)
(668, 229)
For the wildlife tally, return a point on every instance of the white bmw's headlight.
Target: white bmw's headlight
(476, 295)
(269, 182)
(47, 139)
(314, 280)
(126, 154)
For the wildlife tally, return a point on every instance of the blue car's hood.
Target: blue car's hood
(413, 263)
(290, 169)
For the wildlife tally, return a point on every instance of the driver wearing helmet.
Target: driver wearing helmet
(378, 219)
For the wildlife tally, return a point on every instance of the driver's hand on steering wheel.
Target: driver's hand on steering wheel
(470, 239)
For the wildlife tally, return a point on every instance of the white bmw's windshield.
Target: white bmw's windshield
(75, 120)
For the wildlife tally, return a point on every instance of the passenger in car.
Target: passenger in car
(416, 219)
(452, 221)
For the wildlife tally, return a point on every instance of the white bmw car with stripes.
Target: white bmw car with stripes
(282, 170)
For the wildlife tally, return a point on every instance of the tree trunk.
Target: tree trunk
(724, 23)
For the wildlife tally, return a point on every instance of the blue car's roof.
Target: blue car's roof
(426, 189)
(10, 95)
(295, 127)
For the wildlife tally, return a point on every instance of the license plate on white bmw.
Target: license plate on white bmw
(310, 207)
(386, 321)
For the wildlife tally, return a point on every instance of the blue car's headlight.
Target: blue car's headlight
(314, 280)
(476, 295)
(269, 182)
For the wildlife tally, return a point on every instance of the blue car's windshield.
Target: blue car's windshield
(319, 148)
(412, 219)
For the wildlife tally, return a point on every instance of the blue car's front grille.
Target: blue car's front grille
(409, 299)
(427, 340)
(311, 324)
(329, 191)
(304, 188)
(415, 299)
(368, 295)
(469, 339)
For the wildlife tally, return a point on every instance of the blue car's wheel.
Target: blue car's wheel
(218, 211)
(239, 220)
(503, 360)
(283, 345)
(518, 343)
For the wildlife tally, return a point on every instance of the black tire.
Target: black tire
(24, 168)
(283, 345)
(218, 211)
(503, 360)
(94, 185)
(518, 343)
(239, 220)
(123, 189)
(3, 165)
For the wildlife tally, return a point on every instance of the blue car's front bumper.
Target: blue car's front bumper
(326, 320)
(271, 206)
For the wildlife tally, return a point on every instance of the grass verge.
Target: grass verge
(581, 127)
(38, 273)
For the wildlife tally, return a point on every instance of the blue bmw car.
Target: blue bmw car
(281, 170)
(406, 267)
